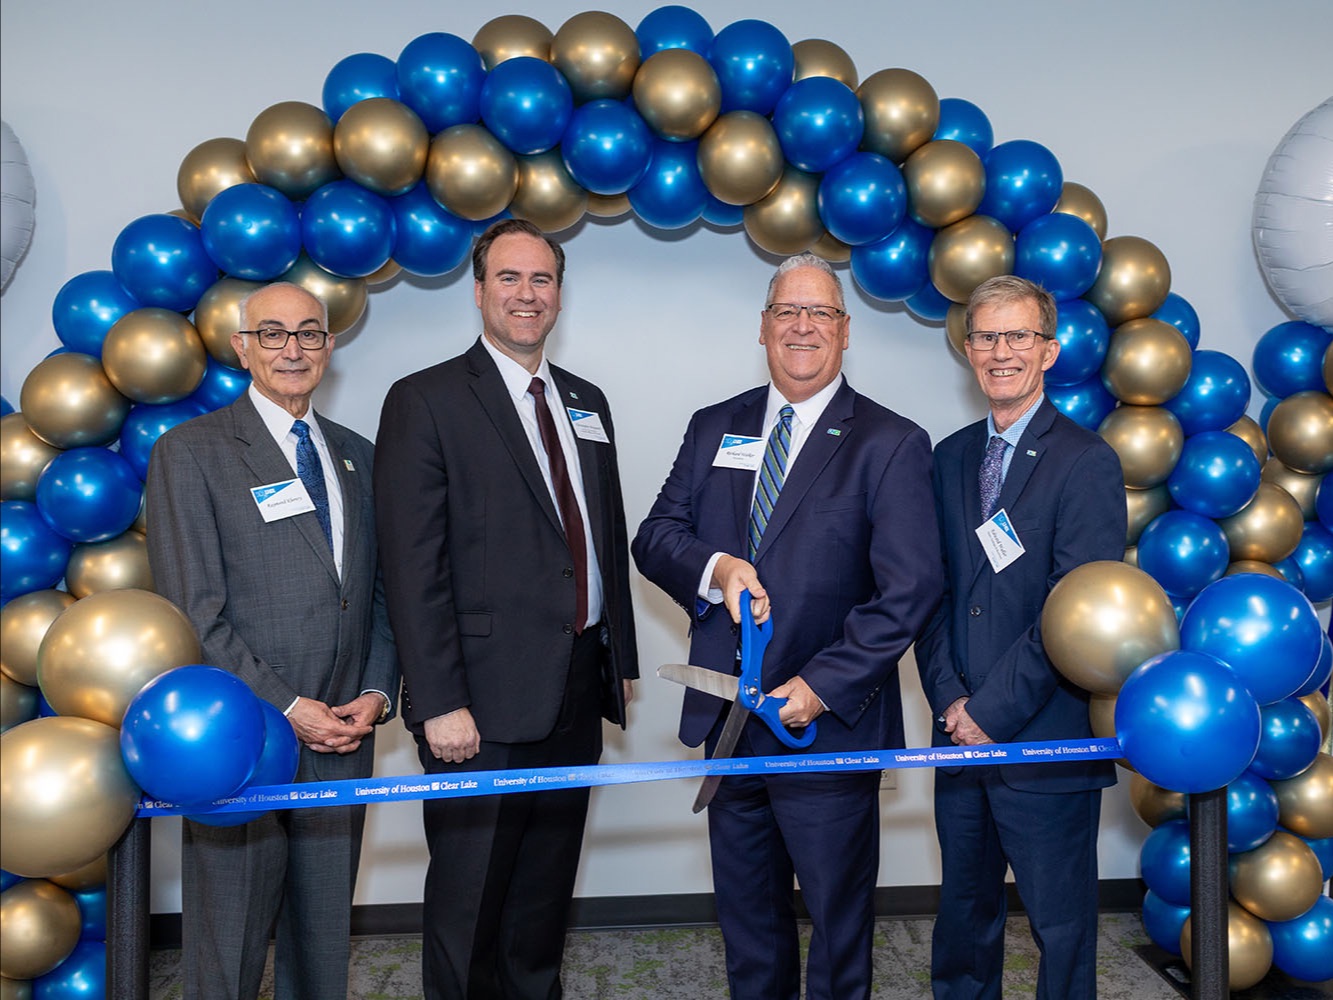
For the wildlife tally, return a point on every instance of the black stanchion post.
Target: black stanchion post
(127, 913)
(1209, 966)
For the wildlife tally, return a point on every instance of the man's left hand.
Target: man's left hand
(965, 731)
(803, 705)
(363, 710)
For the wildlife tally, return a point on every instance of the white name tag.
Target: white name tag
(1000, 540)
(739, 452)
(587, 425)
(279, 500)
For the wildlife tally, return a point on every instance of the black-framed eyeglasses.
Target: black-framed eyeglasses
(787, 312)
(1018, 340)
(275, 338)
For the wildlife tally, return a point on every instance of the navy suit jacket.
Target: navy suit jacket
(1064, 494)
(849, 559)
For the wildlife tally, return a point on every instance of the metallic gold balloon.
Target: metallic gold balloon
(23, 456)
(1303, 487)
(608, 206)
(512, 35)
(902, 112)
(85, 877)
(1154, 804)
(1252, 434)
(344, 298)
(1075, 199)
(1317, 703)
(1147, 362)
(1278, 880)
(387, 272)
(65, 796)
(290, 147)
(18, 703)
(1131, 557)
(966, 253)
(1267, 529)
(1134, 281)
(740, 158)
(677, 93)
(786, 220)
(1101, 715)
(15, 989)
(598, 54)
(209, 168)
(1143, 506)
(1328, 368)
(1300, 432)
(217, 316)
(470, 172)
(832, 249)
(382, 145)
(98, 654)
(141, 522)
(69, 402)
(1102, 620)
(1249, 947)
(945, 183)
(23, 624)
(1148, 440)
(547, 195)
(817, 57)
(1305, 802)
(39, 927)
(1252, 566)
(154, 356)
(120, 563)
(955, 326)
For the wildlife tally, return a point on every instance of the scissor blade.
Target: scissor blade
(726, 745)
(719, 685)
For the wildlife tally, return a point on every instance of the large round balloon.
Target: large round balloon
(23, 457)
(34, 553)
(1179, 313)
(607, 146)
(896, 267)
(819, 123)
(786, 220)
(343, 297)
(154, 356)
(347, 230)
(753, 62)
(68, 401)
(1289, 738)
(1061, 253)
(1162, 921)
(277, 764)
(1216, 475)
(671, 193)
(966, 253)
(86, 307)
(1267, 529)
(23, 623)
(1076, 199)
(39, 927)
(147, 423)
(1147, 362)
(1305, 802)
(740, 158)
(1142, 507)
(89, 494)
(526, 104)
(1214, 396)
(1249, 947)
(510, 36)
(439, 77)
(1164, 862)
(1154, 804)
(429, 239)
(547, 196)
(1088, 404)
(1133, 282)
(290, 147)
(1314, 556)
(1084, 338)
(120, 563)
(1303, 487)
(1289, 359)
(677, 93)
(217, 316)
(382, 145)
(597, 54)
(862, 199)
(210, 168)
(1300, 432)
(252, 231)
(673, 27)
(357, 77)
(962, 121)
(1303, 946)
(1023, 181)
(945, 182)
(161, 261)
(902, 112)
(1184, 552)
(1278, 880)
(82, 976)
(1251, 811)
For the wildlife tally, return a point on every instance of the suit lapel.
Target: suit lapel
(749, 421)
(591, 468)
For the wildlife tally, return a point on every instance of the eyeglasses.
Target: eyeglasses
(274, 338)
(1018, 340)
(787, 312)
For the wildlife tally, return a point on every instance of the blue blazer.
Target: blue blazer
(1064, 493)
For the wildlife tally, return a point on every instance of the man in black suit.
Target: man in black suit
(507, 571)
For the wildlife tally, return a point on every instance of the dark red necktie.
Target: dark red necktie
(565, 500)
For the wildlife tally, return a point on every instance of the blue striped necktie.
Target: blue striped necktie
(311, 471)
(771, 475)
(991, 477)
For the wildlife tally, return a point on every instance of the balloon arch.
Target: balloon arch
(409, 158)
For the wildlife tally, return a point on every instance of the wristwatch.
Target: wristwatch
(384, 713)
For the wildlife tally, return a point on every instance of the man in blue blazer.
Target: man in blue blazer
(850, 572)
(1059, 489)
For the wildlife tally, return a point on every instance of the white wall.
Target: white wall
(1167, 111)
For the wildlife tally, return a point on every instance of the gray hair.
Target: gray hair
(806, 259)
(1006, 288)
(244, 311)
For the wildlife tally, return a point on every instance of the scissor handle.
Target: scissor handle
(754, 640)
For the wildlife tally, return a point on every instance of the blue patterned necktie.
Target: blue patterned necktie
(771, 475)
(992, 475)
(311, 471)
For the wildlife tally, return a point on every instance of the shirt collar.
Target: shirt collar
(807, 411)
(278, 421)
(516, 377)
(1014, 433)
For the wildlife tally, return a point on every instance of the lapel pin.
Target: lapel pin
(573, 394)
(835, 432)
(1032, 453)
(348, 463)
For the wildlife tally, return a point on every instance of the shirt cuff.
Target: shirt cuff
(712, 595)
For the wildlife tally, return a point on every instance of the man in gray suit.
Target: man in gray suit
(291, 603)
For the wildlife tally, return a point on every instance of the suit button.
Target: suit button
(344, 604)
(569, 630)
(569, 571)
(975, 611)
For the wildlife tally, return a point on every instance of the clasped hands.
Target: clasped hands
(961, 727)
(338, 728)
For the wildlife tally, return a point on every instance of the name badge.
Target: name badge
(739, 452)
(1000, 541)
(587, 425)
(280, 500)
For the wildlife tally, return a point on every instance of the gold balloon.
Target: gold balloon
(902, 112)
(547, 195)
(512, 35)
(1305, 802)
(23, 456)
(39, 927)
(1154, 804)
(1101, 715)
(1252, 566)
(598, 54)
(15, 989)
(1267, 529)
(154, 356)
(387, 272)
(1134, 281)
(955, 326)
(290, 147)
(1328, 368)
(1075, 199)
(120, 563)
(966, 253)
(100, 651)
(1147, 362)
(945, 183)
(1131, 557)
(832, 249)
(217, 316)
(344, 298)
(18, 703)
(786, 221)
(69, 402)
(1318, 704)
(1303, 487)
(1278, 880)
(1249, 947)
(141, 522)
(1143, 506)
(1300, 432)
(608, 206)
(740, 158)
(470, 172)
(382, 145)
(817, 57)
(209, 168)
(677, 93)
(1252, 434)
(65, 796)
(85, 877)
(1102, 620)
(23, 624)
(1148, 440)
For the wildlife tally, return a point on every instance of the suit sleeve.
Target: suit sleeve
(934, 650)
(381, 669)
(621, 606)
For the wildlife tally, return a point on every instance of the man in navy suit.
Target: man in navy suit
(850, 572)
(1059, 489)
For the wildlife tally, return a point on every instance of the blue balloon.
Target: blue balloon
(357, 78)
(1289, 358)
(192, 735)
(252, 231)
(1289, 739)
(1086, 403)
(1183, 551)
(8, 880)
(673, 27)
(1084, 337)
(81, 976)
(440, 77)
(429, 239)
(277, 764)
(1164, 862)
(1060, 252)
(89, 494)
(1252, 810)
(527, 104)
(1319, 676)
(1303, 947)
(348, 230)
(1291, 572)
(161, 261)
(895, 267)
(1215, 395)
(1314, 556)
(671, 194)
(92, 911)
(1261, 627)
(1164, 921)
(719, 213)
(87, 307)
(607, 146)
(1181, 315)
(929, 304)
(862, 199)
(962, 121)
(221, 386)
(146, 423)
(1323, 850)
(1186, 722)
(819, 122)
(6, 408)
(44, 709)
(1269, 406)
(1323, 504)
(1023, 181)
(1216, 475)
(754, 64)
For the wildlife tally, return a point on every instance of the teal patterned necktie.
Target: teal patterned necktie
(771, 475)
